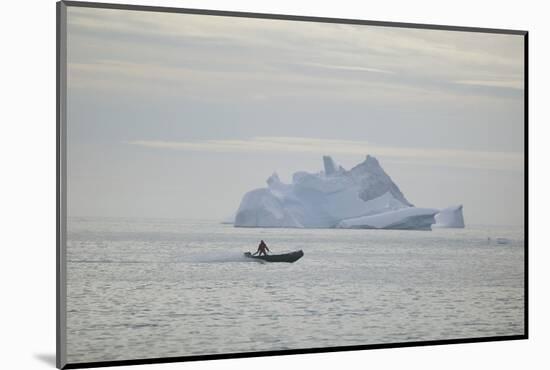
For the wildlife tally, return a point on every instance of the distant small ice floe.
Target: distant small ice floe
(364, 197)
(503, 241)
(230, 220)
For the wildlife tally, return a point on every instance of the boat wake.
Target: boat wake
(212, 257)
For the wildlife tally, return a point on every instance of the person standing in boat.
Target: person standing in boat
(262, 249)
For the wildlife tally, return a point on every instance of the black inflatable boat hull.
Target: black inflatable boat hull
(287, 257)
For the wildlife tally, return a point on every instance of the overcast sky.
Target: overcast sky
(176, 115)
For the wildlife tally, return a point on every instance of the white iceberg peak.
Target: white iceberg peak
(273, 179)
(330, 166)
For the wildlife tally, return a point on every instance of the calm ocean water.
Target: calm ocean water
(142, 288)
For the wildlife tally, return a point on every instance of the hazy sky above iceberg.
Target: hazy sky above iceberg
(173, 115)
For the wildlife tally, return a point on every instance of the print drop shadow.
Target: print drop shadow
(47, 358)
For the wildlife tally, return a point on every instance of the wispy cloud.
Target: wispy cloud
(212, 46)
(512, 161)
(349, 68)
(509, 84)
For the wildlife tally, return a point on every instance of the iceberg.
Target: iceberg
(410, 218)
(362, 197)
(450, 217)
